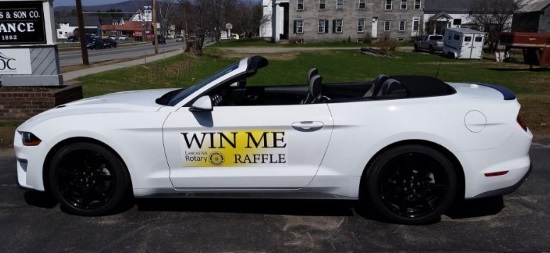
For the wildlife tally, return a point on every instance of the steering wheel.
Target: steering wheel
(217, 99)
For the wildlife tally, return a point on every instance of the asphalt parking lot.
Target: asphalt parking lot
(32, 222)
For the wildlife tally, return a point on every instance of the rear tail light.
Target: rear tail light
(521, 124)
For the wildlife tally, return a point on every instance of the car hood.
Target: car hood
(127, 101)
(140, 98)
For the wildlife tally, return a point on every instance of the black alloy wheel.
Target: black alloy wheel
(88, 179)
(411, 184)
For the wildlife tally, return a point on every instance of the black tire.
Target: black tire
(431, 49)
(87, 179)
(411, 184)
(415, 48)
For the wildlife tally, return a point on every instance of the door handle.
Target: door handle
(307, 126)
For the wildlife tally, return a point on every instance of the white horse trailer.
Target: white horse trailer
(463, 43)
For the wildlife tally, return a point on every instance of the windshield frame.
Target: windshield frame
(187, 92)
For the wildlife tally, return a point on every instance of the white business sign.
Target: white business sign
(15, 61)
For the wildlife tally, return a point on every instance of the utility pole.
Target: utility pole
(155, 39)
(82, 33)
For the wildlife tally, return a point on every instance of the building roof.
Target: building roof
(536, 5)
(448, 6)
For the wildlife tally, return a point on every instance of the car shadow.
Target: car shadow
(40, 199)
(460, 210)
(255, 206)
(476, 208)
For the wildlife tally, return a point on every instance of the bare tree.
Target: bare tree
(61, 17)
(206, 19)
(166, 15)
(249, 18)
(198, 23)
(494, 17)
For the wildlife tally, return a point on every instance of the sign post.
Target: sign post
(28, 50)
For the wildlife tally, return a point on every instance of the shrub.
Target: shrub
(388, 44)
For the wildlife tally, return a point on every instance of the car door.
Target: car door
(247, 147)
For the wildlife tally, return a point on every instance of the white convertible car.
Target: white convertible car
(406, 145)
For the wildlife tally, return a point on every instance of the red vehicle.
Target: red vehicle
(535, 46)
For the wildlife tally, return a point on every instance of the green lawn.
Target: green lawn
(532, 87)
(334, 66)
(265, 43)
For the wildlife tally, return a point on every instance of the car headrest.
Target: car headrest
(312, 72)
(392, 87)
(376, 84)
(315, 87)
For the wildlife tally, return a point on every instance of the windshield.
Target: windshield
(437, 37)
(185, 93)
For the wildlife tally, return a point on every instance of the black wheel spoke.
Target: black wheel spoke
(412, 185)
(85, 179)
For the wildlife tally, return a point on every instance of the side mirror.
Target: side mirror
(203, 104)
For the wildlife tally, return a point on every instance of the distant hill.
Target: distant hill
(128, 6)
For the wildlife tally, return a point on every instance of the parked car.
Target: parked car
(409, 146)
(122, 37)
(109, 43)
(160, 39)
(429, 42)
(95, 43)
(179, 38)
(72, 39)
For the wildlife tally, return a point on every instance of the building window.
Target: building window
(300, 5)
(457, 22)
(387, 26)
(362, 4)
(322, 4)
(388, 5)
(298, 26)
(323, 25)
(337, 26)
(416, 24)
(417, 4)
(339, 4)
(403, 4)
(361, 25)
(402, 24)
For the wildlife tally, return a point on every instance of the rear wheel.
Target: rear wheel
(415, 47)
(431, 49)
(411, 184)
(88, 179)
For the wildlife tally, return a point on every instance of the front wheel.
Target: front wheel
(411, 184)
(88, 179)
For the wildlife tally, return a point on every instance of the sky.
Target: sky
(85, 2)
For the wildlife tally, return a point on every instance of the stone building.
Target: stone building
(339, 20)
